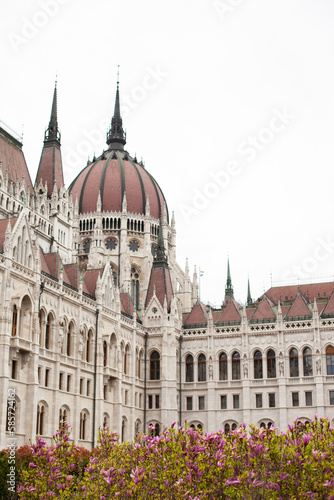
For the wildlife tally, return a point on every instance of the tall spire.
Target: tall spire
(249, 297)
(116, 136)
(52, 132)
(229, 286)
(50, 169)
(160, 255)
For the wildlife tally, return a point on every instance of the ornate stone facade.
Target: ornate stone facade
(101, 326)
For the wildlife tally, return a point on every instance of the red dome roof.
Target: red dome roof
(113, 174)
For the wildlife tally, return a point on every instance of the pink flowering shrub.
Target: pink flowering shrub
(181, 463)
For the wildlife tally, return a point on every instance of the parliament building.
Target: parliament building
(100, 326)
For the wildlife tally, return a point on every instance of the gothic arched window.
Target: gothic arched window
(294, 368)
(47, 331)
(307, 362)
(330, 360)
(189, 368)
(14, 321)
(62, 417)
(83, 425)
(40, 419)
(135, 286)
(155, 366)
(105, 353)
(271, 364)
(88, 346)
(236, 366)
(126, 359)
(86, 246)
(258, 372)
(201, 368)
(69, 340)
(223, 366)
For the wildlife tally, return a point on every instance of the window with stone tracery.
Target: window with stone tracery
(135, 286)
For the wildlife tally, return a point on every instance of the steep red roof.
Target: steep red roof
(127, 306)
(216, 315)
(263, 311)
(44, 264)
(53, 266)
(310, 291)
(50, 167)
(184, 317)
(298, 308)
(89, 281)
(230, 313)
(285, 310)
(13, 159)
(329, 309)
(249, 313)
(197, 315)
(161, 280)
(71, 275)
(3, 228)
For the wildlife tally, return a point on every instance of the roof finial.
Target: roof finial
(52, 132)
(229, 286)
(249, 297)
(115, 135)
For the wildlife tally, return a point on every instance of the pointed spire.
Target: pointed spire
(147, 208)
(124, 203)
(52, 132)
(229, 286)
(116, 136)
(76, 206)
(195, 275)
(160, 255)
(186, 271)
(8, 229)
(279, 311)
(164, 214)
(173, 221)
(50, 168)
(249, 297)
(99, 203)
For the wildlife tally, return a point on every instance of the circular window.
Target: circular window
(134, 246)
(111, 244)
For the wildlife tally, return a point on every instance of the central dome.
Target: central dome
(115, 174)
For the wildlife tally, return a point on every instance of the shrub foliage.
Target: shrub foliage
(182, 463)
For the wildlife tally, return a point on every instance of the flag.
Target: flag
(201, 273)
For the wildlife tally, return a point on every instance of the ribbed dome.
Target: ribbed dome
(113, 174)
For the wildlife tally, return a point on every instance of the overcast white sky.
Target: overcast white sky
(229, 103)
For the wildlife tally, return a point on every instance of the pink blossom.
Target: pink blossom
(232, 481)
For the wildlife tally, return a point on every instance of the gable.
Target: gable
(298, 308)
(197, 316)
(264, 311)
(230, 314)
